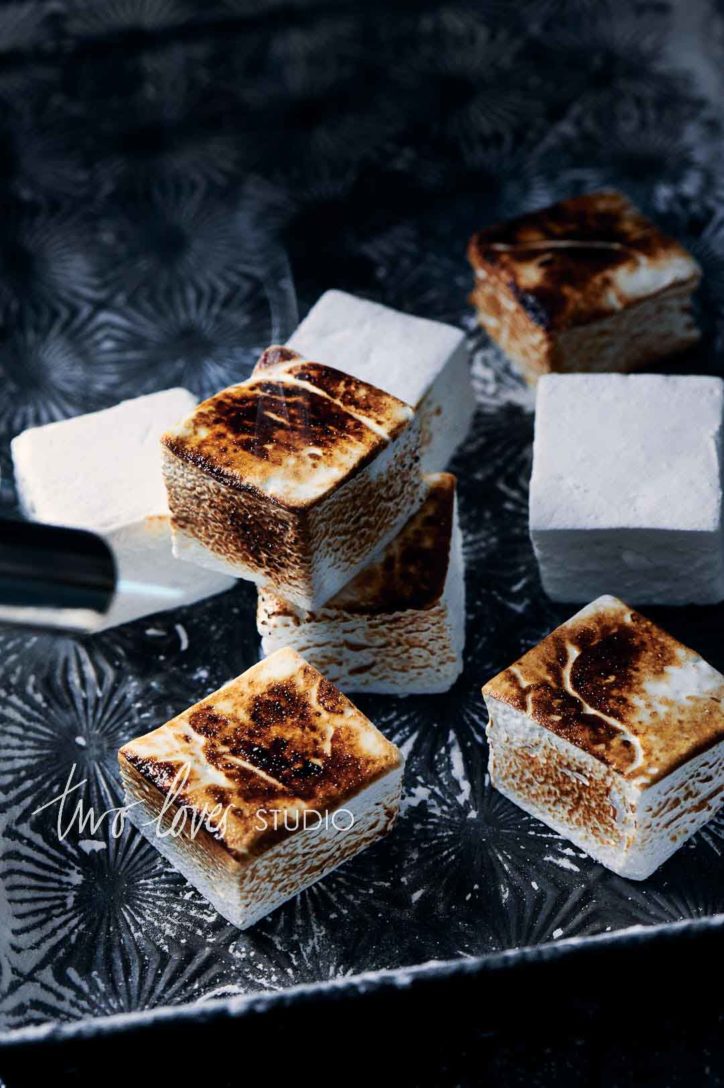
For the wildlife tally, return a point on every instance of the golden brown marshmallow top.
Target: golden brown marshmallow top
(580, 260)
(296, 430)
(619, 687)
(279, 738)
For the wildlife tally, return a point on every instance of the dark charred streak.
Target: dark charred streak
(606, 669)
(270, 418)
(246, 786)
(356, 395)
(360, 670)
(220, 795)
(280, 705)
(206, 721)
(330, 698)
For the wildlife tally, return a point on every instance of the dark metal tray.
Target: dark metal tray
(151, 177)
(98, 929)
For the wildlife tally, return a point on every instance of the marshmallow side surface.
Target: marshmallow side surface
(626, 488)
(399, 627)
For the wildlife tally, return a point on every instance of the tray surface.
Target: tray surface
(147, 248)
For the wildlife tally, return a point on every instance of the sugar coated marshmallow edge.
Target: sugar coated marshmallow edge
(587, 284)
(294, 478)
(398, 628)
(102, 472)
(612, 733)
(422, 362)
(626, 487)
(263, 787)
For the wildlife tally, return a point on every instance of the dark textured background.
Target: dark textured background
(176, 180)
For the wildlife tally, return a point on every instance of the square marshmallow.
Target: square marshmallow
(294, 478)
(102, 472)
(423, 363)
(586, 284)
(263, 787)
(626, 490)
(398, 628)
(612, 733)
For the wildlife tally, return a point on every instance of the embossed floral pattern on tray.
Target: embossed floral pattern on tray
(156, 199)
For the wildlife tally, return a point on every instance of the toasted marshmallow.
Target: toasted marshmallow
(626, 489)
(587, 284)
(294, 478)
(612, 733)
(102, 472)
(263, 787)
(422, 362)
(398, 628)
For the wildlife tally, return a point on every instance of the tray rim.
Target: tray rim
(241, 1005)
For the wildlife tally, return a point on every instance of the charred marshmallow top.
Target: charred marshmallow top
(618, 687)
(294, 431)
(278, 737)
(581, 260)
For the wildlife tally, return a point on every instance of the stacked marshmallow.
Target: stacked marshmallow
(316, 478)
(398, 627)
